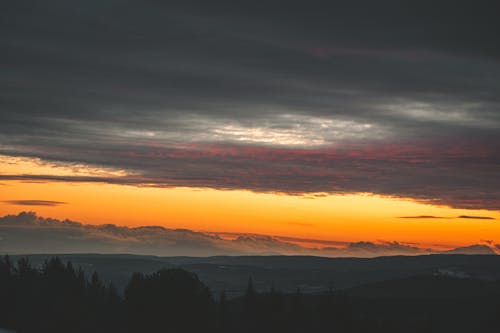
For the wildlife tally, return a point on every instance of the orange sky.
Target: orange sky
(360, 217)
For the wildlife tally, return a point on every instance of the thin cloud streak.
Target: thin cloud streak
(476, 217)
(442, 217)
(49, 203)
(423, 217)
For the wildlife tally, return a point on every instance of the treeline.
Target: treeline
(55, 298)
(58, 297)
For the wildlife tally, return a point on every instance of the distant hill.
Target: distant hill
(287, 273)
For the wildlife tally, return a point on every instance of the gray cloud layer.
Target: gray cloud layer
(401, 98)
(28, 233)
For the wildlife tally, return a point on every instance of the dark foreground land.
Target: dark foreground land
(392, 294)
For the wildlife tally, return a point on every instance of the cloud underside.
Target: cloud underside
(29, 233)
(379, 98)
(453, 174)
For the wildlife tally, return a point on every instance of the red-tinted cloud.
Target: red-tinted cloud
(458, 174)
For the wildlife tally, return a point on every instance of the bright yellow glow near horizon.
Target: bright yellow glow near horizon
(339, 217)
(355, 217)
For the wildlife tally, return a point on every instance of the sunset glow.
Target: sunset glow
(341, 218)
(253, 131)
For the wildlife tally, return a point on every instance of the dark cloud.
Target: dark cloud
(34, 202)
(135, 85)
(476, 217)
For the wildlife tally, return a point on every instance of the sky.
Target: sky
(272, 126)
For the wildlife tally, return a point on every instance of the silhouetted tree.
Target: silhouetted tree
(297, 313)
(7, 292)
(250, 307)
(250, 291)
(222, 313)
(55, 298)
(172, 297)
